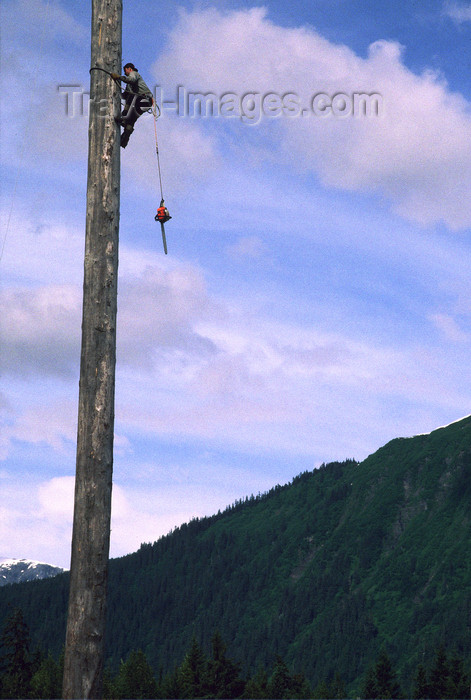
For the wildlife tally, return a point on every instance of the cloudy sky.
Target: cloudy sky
(314, 303)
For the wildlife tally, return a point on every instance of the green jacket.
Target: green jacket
(135, 84)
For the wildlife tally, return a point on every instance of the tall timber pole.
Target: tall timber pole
(84, 648)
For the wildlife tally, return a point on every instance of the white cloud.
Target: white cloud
(58, 129)
(56, 499)
(264, 385)
(450, 327)
(458, 12)
(247, 247)
(194, 365)
(201, 367)
(187, 155)
(45, 420)
(38, 247)
(33, 527)
(173, 300)
(41, 21)
(40, 330)
(418, 153)
(39, 524)
(40, 322)
(33, 33)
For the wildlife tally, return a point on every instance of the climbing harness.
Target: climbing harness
(162, 212)
(162, 215)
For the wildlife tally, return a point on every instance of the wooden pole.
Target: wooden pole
(84, 650)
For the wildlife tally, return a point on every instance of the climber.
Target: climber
(138, 99)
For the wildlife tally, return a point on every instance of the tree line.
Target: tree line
(32, 674)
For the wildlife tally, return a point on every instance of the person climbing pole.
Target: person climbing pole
(138, 99)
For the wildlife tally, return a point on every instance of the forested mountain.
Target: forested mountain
(327, 571)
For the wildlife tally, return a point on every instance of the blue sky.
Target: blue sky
(314, 303)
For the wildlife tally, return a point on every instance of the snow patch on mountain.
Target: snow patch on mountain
(20, 570)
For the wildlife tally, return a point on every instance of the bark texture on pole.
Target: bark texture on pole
(84, 651)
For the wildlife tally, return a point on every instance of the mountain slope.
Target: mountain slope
(20, 570)
(324, 571)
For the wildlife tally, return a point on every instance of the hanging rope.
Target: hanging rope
(162, 213)
(155, 107)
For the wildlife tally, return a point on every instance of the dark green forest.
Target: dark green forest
(347, 564)
(24, 674)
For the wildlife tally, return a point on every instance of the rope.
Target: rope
(102, 69)
(107, 73)
(156, 115)
(155, 107)
(116, 81)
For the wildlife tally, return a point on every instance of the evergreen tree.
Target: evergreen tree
(380, 681)
(171, 685)
(322, 691)
(193, 673)
(223, 674)
(257, 686)
(421, 688)
(284, 685)
(337, 687)
(280, 681)
(385, 678)
(47, 680)
(135, 678)
(16, 663)
(447, 678)
(459, 682)
(369, 689)
(108, 683)
(300, 687)
(439, 675)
